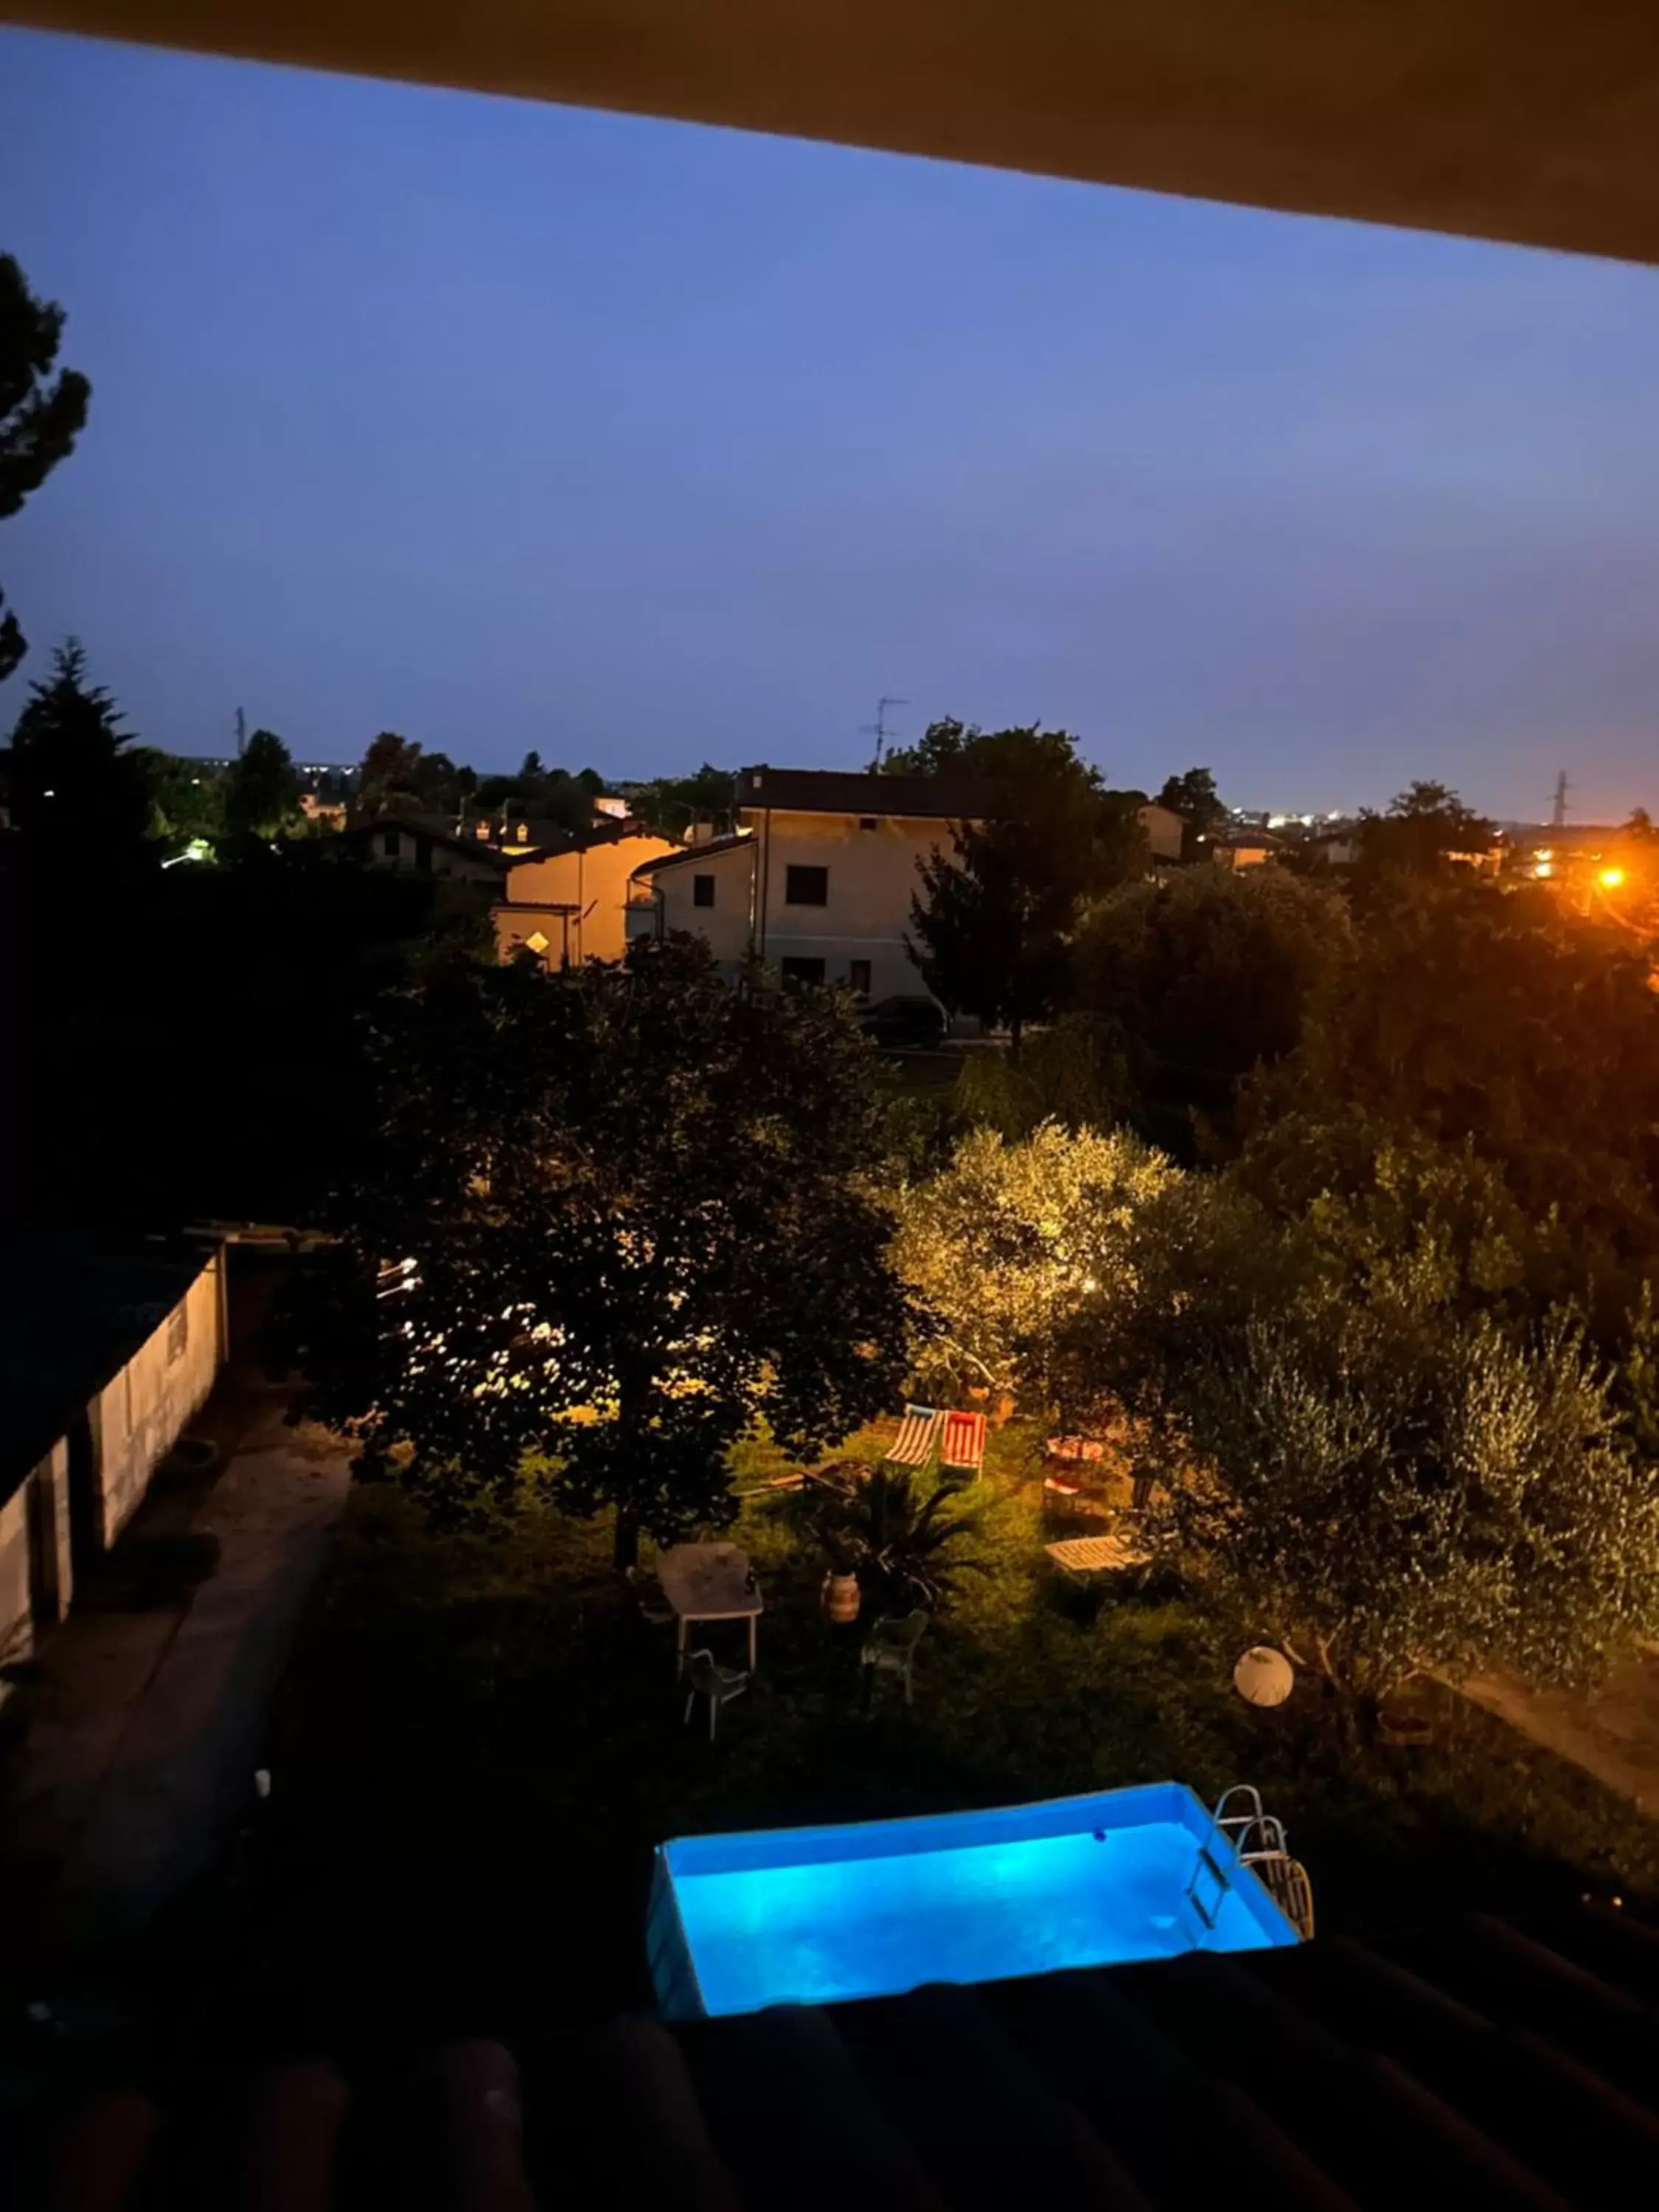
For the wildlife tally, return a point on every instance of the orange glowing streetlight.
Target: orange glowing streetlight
(1610, 878)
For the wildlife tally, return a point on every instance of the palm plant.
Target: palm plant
(901, 1543)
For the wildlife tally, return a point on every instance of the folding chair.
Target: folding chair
(914, 1445)
(962, 1447)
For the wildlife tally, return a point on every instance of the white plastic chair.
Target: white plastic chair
(892, 1647)
(706, 1678)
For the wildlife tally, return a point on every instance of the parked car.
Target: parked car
(915, 1021)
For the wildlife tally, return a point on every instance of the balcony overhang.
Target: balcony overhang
(1530, 120)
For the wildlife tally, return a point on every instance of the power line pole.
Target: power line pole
(241, 732)
(879, 729)
(1559, 819)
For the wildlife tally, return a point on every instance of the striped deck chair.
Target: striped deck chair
(914, 1445)
(961, 1446)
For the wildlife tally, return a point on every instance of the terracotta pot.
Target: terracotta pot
(840, 1597)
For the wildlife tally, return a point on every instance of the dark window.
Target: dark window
(702, 890)
(858, 978)
(391, 844)
(867, 822)
(800, 975)
(806, 887)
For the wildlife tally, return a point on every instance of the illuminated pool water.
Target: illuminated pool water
(815, 1915)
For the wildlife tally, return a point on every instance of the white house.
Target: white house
(817, 877)
(105, 1355)
(817, 880)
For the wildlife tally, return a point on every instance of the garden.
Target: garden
(481, 1743)
(632, 1255)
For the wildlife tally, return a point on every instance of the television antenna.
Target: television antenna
(879, 729)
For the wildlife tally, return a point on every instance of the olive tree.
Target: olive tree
(1363, 1456)
(1010, 1240)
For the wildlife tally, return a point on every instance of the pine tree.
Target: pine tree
(40, 416)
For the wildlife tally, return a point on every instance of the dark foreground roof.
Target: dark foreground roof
(830, 791)
(73, 1311)
(1487, 2068)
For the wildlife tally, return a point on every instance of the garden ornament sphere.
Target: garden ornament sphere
(1264, 1676)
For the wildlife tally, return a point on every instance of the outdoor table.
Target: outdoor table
(1096, 1555)
(708, 1581)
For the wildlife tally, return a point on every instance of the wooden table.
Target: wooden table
(708, 1581)
(1097, 1555)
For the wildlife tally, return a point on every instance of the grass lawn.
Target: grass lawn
(480, 1742)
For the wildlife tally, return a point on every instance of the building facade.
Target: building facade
(568, 906)
(107, 1355)
(816, 881)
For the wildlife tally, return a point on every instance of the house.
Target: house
(566, 904)
(1164, 831)
(816, 879)
(1241, 848)
(106, 1353)
(429, 845)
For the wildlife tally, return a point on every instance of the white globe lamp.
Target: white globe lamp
(1264, 1676)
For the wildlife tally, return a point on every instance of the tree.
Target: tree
(1009, 1241)
(624, 1214)
(1501, 1019)
(671, 804)
(261, 795)
(391, 773)
(1208, 974)
(1195, 798)
(1361, 1457)
(1425, 824)
(76, 790)
(995, 920)
(186, 799)
(40, 416)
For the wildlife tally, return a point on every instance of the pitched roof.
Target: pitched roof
(439, 828)
(709, 847)
(1481, 2066)
(836, 791)
(73, 1311)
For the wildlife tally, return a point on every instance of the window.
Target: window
(867, 822)
(802, 975)
(178, 1333)
(858, 978)
(806, 887)
(702, 890)
(390, 844)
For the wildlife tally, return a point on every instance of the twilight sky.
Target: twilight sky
(506, 425)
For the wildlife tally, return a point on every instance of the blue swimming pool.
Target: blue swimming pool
(812, 1916)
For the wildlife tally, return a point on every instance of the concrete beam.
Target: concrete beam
(1533, 120)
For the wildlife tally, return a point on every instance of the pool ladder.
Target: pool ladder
(1257, 1842)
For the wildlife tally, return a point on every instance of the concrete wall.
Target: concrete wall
(16, 1620)
(872, 879)
(594, 880)
(667, 899)
(139, 1415)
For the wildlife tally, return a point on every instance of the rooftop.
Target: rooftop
(73, 1311)
(1484, 2067)
(836, 791)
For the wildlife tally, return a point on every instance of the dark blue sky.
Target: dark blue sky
(506, 425)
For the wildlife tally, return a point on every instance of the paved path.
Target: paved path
(1612, 1732)
(144, 1726)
